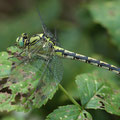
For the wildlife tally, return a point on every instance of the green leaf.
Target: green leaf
(9, 117)
(5, 65)
(69, 112)
(18, 90)
(95, 93)
(107, 14)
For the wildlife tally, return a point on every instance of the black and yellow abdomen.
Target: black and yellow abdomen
(71, 55)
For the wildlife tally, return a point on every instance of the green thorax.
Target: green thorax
(40, 41)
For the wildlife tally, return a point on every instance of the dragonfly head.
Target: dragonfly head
(21, 41)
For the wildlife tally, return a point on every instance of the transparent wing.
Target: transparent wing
(49, 83)
(45, 30)
(56, 39)
(57, 68)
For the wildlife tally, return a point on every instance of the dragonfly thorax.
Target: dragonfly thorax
(35, 39)
(41, 41)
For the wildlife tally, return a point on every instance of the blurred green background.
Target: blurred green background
(89, 27)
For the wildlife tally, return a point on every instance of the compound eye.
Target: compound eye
(20, 42)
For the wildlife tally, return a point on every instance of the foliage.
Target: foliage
(18, 86)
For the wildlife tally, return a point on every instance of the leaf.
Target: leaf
(5, 65)
(95, 93)
(9, 117)
(69, 112)
(108, 10)
(18, 90)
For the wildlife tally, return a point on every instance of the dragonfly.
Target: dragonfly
(41, 67)
(45, 44)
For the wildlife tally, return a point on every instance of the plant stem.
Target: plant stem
(69, 96)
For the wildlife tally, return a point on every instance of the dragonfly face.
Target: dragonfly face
(22, 40)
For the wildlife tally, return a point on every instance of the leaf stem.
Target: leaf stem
(69, 96)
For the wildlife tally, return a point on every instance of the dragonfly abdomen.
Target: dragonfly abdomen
(71, 55)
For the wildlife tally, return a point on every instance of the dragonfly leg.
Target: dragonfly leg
(18, 55)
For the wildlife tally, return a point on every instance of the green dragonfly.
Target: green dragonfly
(39, 66)
(45, 44)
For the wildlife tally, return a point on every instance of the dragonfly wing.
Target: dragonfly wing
(56, 67)
(45, 30)
(49, 84)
